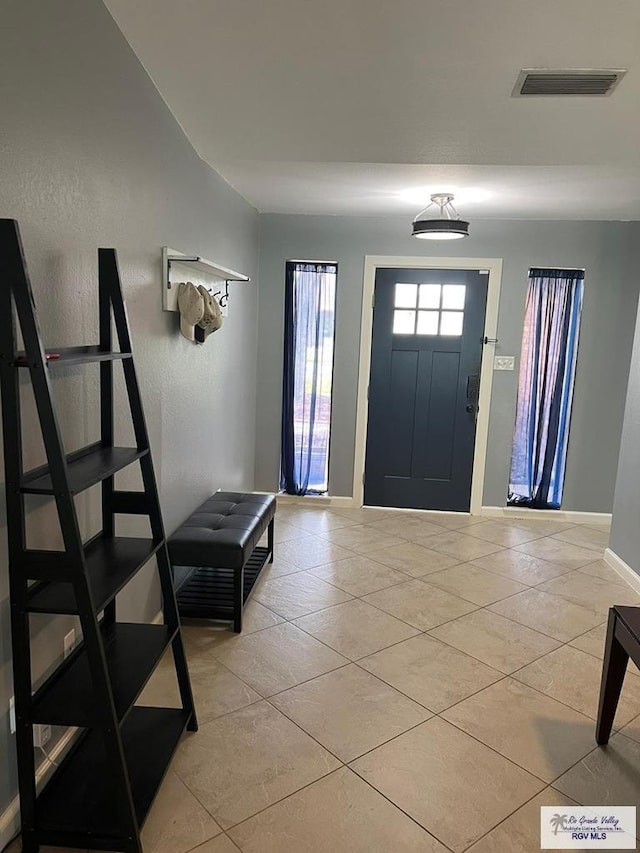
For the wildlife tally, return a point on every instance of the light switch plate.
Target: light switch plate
(504, 362)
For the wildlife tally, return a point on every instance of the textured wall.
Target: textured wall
(90, 156)
(625, 526)
(609, 253)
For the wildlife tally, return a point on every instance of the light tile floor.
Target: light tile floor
(404, 682)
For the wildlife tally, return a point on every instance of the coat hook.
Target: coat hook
(224, 299)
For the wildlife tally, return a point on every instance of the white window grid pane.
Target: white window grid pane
(428, 322)
(429, 296)
(453, 296)
(451, 322)
(406, 295)
(404, 322)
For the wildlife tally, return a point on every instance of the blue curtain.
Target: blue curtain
(307, 376)
(545, 389)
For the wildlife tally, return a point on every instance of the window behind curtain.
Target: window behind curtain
(545, 387)
(310, 295)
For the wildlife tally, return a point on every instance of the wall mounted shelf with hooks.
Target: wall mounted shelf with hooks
(177, 267)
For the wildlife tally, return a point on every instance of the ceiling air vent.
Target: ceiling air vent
(573, 82)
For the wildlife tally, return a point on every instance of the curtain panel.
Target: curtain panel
(309, 324)
(545, 388)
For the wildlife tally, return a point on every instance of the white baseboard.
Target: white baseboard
(10, 817)
(338, 501)
(558, 514)
(623, 569)
(429, 513)
(345, 502)
(349, 502)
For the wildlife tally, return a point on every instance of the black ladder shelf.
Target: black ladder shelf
(102, 791)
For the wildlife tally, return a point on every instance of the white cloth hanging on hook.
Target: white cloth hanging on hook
(200, 313)
(191, 308)
(211, 319)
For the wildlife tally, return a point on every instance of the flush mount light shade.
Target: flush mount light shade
(440, 229)
(446, 226)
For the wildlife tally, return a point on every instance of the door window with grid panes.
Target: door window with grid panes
(429, 309)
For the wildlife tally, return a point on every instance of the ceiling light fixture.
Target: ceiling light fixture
(447, 226)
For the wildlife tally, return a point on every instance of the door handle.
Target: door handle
(473, 387)
(470, 408)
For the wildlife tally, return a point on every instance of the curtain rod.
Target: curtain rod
(556, 267)
(308, 261)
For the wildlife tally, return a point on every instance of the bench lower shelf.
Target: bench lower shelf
(207, 593)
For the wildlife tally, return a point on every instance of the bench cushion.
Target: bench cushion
(223, 532)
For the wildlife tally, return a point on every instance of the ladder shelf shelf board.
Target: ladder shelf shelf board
(132, 652)
(71, 356)
(110, 563)
(80, 794)
(85, 468)
(102, 791)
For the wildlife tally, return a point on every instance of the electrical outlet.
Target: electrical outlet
(41, 735)
(504, 362)
(12, 715)
(69, 642)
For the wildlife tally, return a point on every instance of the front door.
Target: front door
(428, 327)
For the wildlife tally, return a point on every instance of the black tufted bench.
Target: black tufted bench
(215, 555)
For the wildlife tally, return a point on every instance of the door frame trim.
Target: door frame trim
(371, 264)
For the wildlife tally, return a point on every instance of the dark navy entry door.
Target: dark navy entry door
(428, 328)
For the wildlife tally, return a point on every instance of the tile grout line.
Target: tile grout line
(505, 819)
(528, 772)
(547, 785)
(349, 769)
(225, 830)
(427, 632)
(424, 579)
(389, 740)
(464, 532)
(500, 547)
(347, 764)
(355, 662)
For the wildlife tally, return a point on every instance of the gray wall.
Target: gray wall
(90, 156)
(625, 526)
(608, 251)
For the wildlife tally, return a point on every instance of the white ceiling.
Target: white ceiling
(340, 106)
(493, 192)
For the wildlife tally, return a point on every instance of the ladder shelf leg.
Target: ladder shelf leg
(110, 280)
(107, 720)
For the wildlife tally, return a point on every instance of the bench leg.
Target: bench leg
(238, 599)
(613, 671)
(270, 538)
